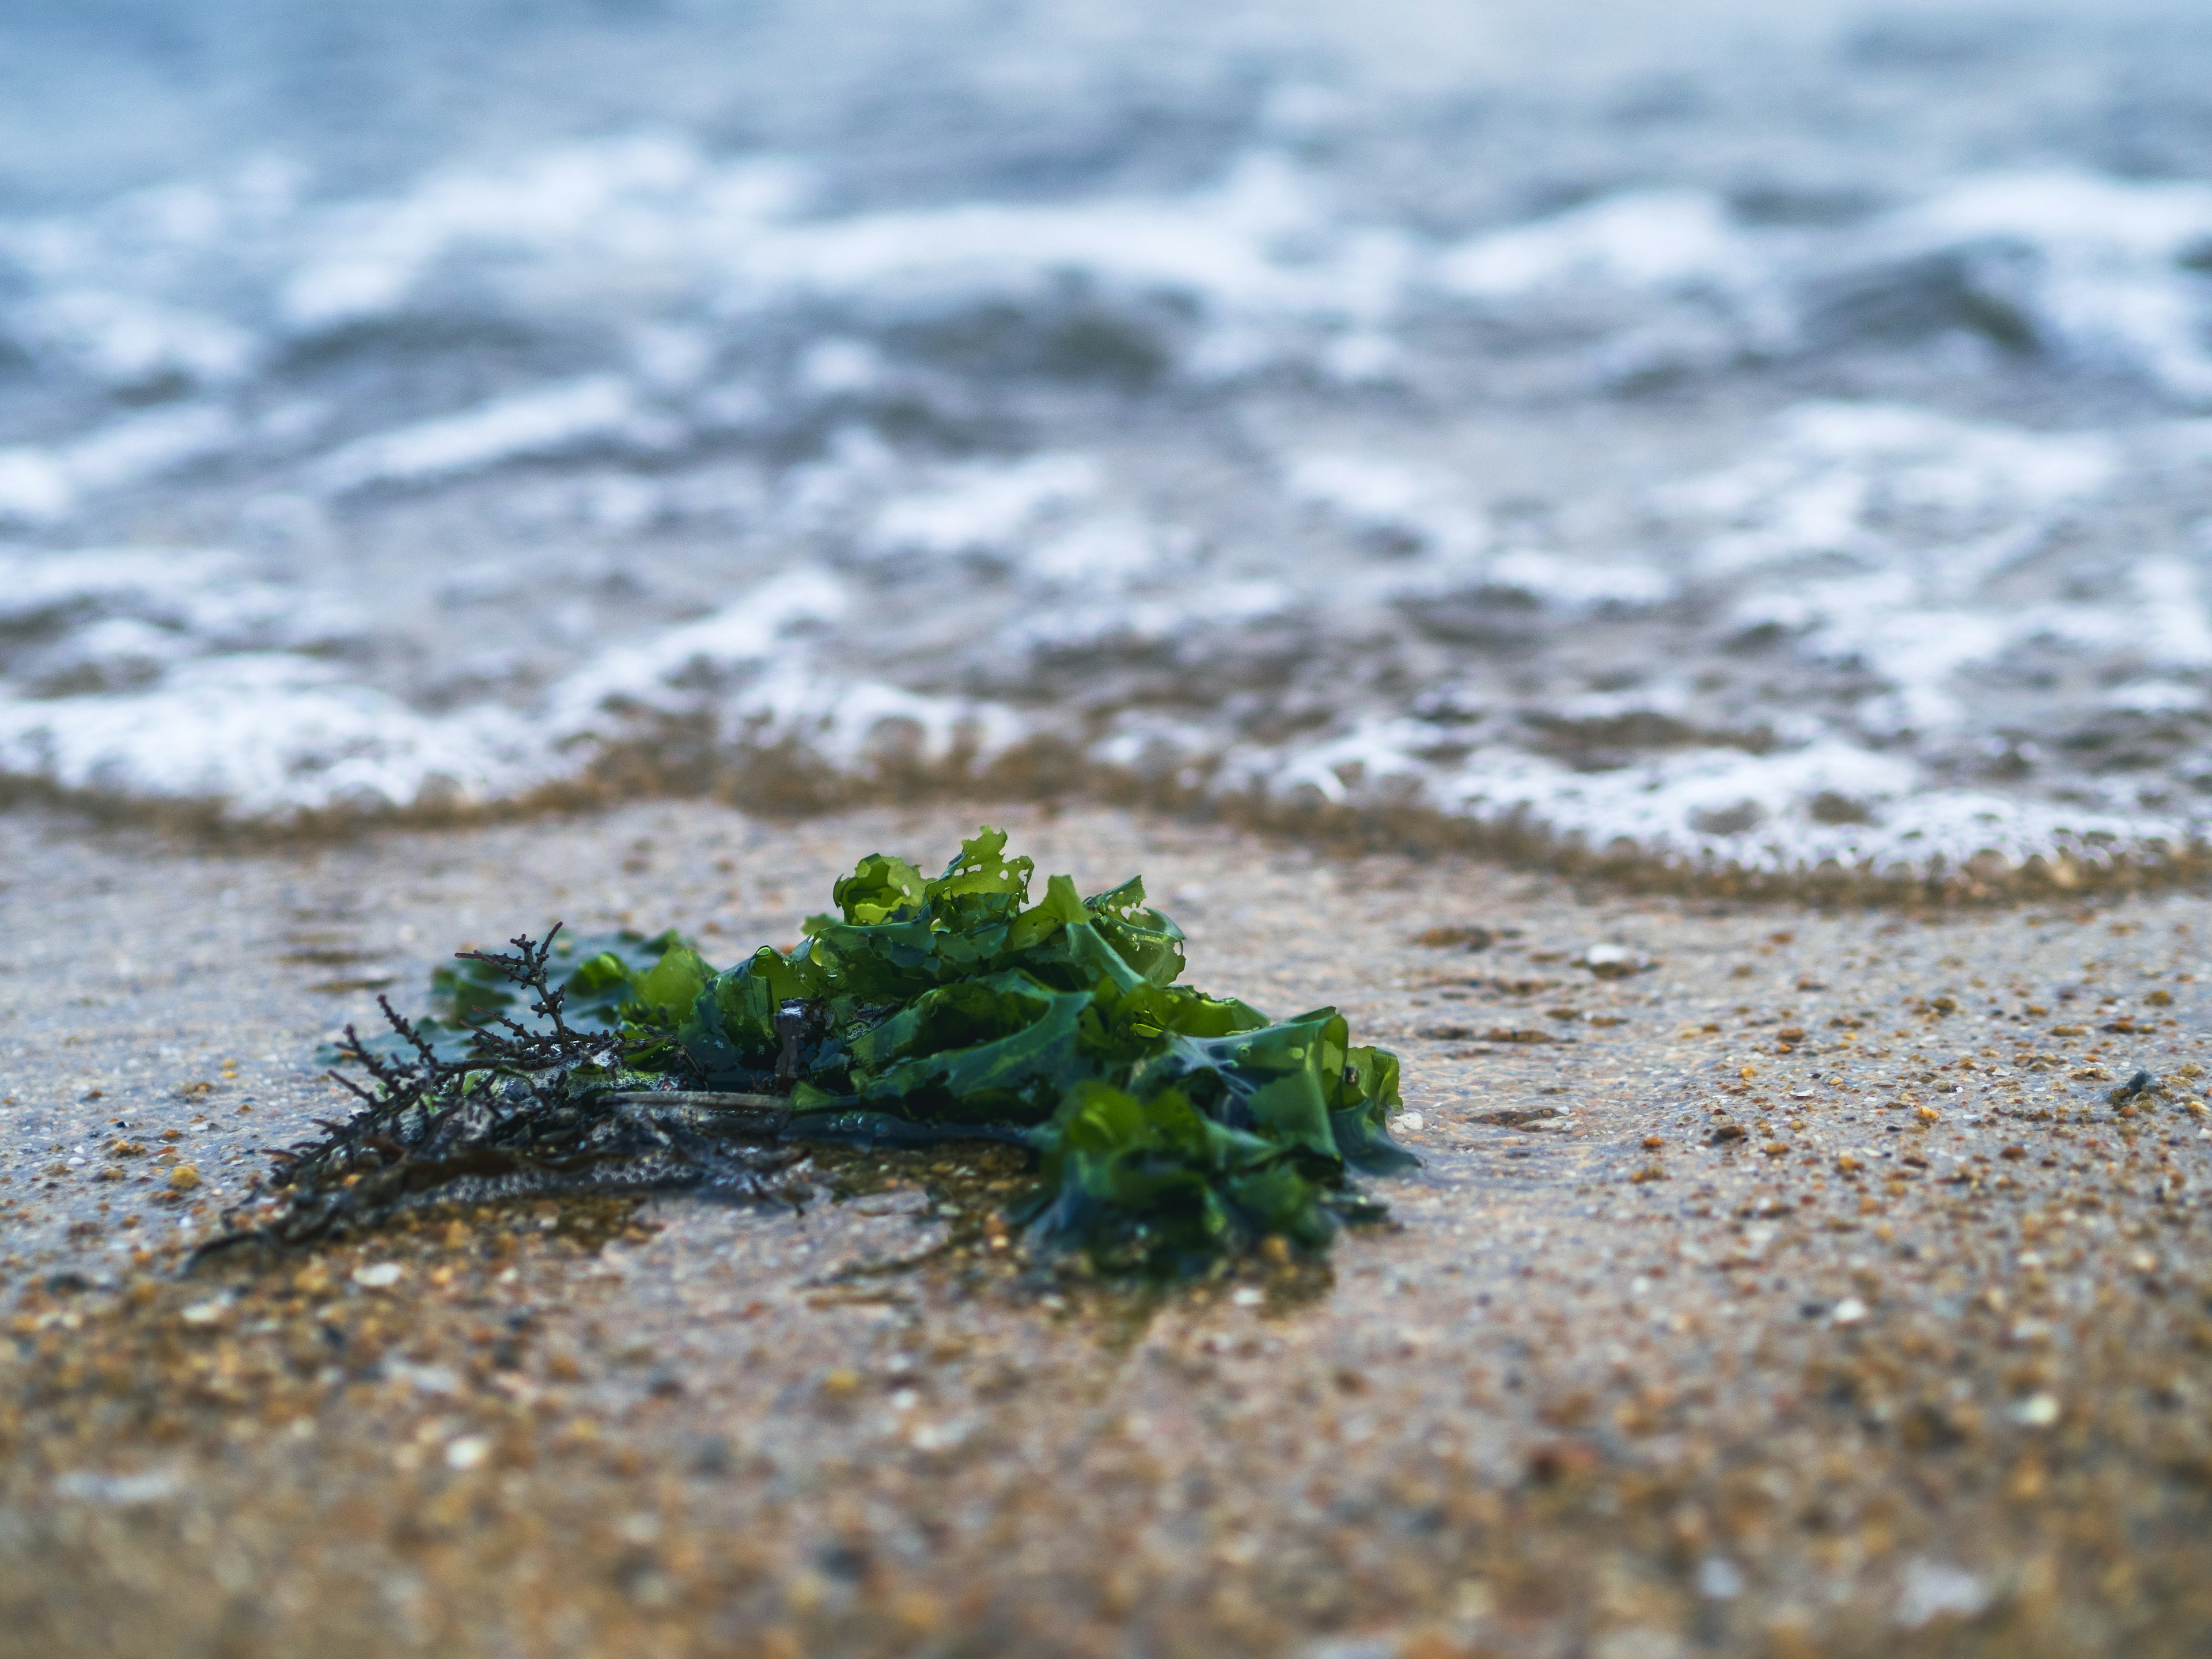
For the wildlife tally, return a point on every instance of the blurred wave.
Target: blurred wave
(1764, 444)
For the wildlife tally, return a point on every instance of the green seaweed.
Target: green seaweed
(1169, 1126)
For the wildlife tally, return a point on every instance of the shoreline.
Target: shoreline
(1852, 1379)
(775, 788)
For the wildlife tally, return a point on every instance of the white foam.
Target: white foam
(1456, 548)
(663, 671)
(544, 421)
(1213, 243)
(1271, 265)
(45, 485)
(264, 736)
(858, 725)
(127, 341)
(213, 598)
(1578, 584)
(982, 507)
(1874, 534)
(1275, 268)
(645, 199)
(1106, 551)
(1896, 551)
(1652, 239)
(111, 654)
(1854, 478)
(2173, 626)
(2098, 268)
(2106, 279)
(649, 225)
(841, 368)
(1374, 493)
(2157, 697)
(592, 218)
(1181, 609)
(1709, 806)
(34, 485)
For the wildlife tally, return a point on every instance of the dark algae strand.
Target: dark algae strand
(1168, 1127)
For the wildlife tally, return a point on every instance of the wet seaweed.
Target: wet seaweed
(1168, 1127)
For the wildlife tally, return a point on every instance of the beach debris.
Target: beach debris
(1935, 1590)
(1614, 960)
(1167, 1126)
(2143, 1082)
(1719, 1579)
(119, 1490)
(1459, 939)
(1534, 1117)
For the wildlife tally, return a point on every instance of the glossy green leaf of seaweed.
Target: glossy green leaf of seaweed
(1170, 1125)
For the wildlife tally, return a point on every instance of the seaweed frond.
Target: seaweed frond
(1169, 1127)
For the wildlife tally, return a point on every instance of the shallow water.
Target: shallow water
(1737, 440)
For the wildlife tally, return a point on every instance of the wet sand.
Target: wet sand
(1804, 1293)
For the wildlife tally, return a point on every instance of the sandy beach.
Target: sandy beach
(1793, 1286)
(1658, 558)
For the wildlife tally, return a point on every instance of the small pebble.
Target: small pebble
(467, 1451)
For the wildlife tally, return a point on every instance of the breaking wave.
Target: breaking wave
(1706, 520)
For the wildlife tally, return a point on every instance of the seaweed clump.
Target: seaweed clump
(1168, 1126)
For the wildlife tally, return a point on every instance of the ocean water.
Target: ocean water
(1681, 432)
